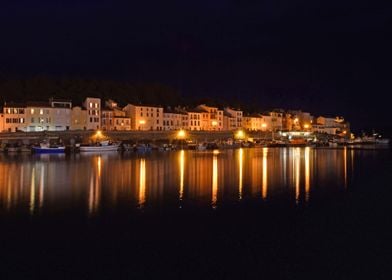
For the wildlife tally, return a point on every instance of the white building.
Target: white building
(93, 107)
(173, 120)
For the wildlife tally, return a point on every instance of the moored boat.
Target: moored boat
(103, 146)
(46, 148)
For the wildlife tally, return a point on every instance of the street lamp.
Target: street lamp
(181, 134)
(240, 135)
(141, 123)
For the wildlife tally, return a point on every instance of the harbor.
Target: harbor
(76, 141)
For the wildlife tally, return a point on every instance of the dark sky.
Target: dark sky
(329, 57)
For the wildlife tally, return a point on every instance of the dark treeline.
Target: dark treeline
(41, 88)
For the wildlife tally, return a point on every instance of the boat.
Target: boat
(143, 148)
(46, 148)
(383, 141)
(201, 147)
(102, 146)
(277, 144)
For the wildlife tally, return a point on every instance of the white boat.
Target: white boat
(384, 141)
(103, 146)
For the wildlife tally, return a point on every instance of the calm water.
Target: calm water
(94, 183)
(233, 214)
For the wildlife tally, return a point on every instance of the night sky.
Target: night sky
(328, 57)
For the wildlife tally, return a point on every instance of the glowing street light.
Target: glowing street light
(264, 126)
(98, 134)
(142, 122)
(214, 123)
(181, 134)
(240, 135)
(306, 126)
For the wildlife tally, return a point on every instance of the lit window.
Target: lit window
(41, 111)
(91, 105)
(32, 111)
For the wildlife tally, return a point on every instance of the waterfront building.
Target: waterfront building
(78, 118)
(237, 115)
(212, 118)
(195, 119)
(38, 116)
(60, 114)
(114, 118)
(254, 122)
(229, 122)
(276, 119)
(334, 126)
(13, 117)
(173, 120)
(93, 107)
(301, 120)
(287, 122)
(144, 117)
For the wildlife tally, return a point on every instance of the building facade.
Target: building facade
(212, 118)
(237, 115)
(13, 117)
(93, 108)
(173, 120)
(145, 117)
(114, 118)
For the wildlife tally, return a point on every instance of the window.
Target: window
(32, 111)
(91, 105)
(41, 111)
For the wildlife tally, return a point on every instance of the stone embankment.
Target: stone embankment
(68, 137)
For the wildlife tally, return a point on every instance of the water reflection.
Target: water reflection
(307, 174)
(296, 159)
(32, 191)
(182, 169)
(240, 166)
(95, 185)
(142, 183)
(265, 174)
(214, 180)
(205, 178)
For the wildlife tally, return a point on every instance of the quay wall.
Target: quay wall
(133, 136)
